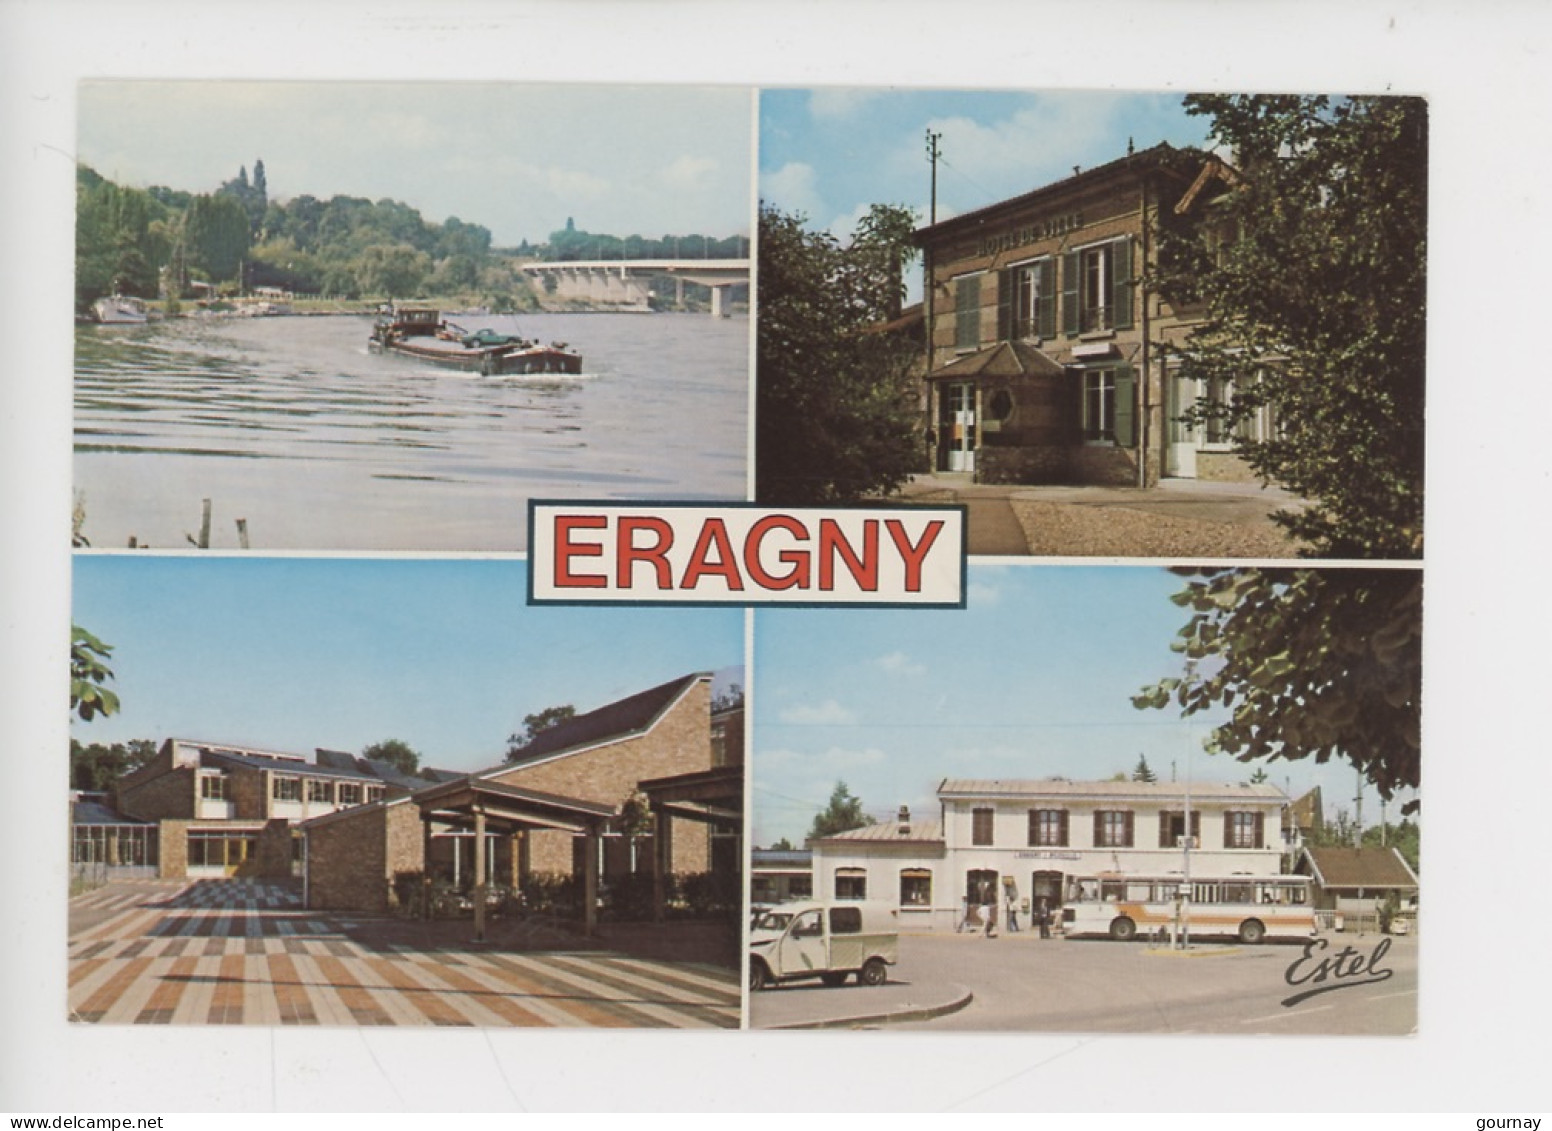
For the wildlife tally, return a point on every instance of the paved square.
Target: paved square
(238, 952)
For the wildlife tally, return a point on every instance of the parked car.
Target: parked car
(828, 941)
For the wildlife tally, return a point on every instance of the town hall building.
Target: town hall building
(1048, 355)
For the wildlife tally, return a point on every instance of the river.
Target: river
(290, 424)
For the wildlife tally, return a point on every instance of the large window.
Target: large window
(915, 887)
(967, 312)
(1048, 828)
(1112, 829)
(1243, 830)
(212, 787)
(1108, 408)
(349, 793)
(981, 821)
(319, 790)
(1097, 288)
(220, 848)
(1026, 300)
(286, 789)
(851, 883)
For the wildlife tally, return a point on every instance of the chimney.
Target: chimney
(905, 821)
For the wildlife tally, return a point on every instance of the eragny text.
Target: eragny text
(651, 554)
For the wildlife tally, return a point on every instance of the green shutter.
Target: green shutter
(1005, 287)
(1125, 407)
(1122, 287)
(967, 312)
(1070, 290)
(1045, 305)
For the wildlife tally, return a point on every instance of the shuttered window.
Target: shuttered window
(1048, 828)
(1112, 829)
(1244, 830)
(1098, 288)
(981, 826)
(967, 312)
(1109, 405)
(1172, 826)
(1026, 301)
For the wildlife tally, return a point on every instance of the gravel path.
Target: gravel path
(1069, 530)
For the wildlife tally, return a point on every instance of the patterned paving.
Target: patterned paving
(234, 952)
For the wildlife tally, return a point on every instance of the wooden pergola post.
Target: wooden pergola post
(425, 866)
(479, 874)
(590, 880)
(662, 862)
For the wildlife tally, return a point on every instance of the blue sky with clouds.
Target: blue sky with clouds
(290, 654)
(1032, 679)
(519, 159)
(831, 152)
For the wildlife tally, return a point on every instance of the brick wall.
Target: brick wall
(352, 860)
(169, 793)
(273, 852)
(346, 866)
(248, 790)
(680, 743)
(173, 850)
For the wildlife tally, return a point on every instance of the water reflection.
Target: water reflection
(291, 424)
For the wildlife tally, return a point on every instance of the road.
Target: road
(1023, 983)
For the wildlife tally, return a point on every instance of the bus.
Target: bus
(1248, 908)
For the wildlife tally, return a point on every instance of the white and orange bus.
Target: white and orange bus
(1248, 908)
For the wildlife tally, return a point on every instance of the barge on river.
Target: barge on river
(421, 332)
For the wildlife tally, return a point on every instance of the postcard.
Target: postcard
(757, 560)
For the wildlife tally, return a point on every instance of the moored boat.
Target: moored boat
(421, 332)
(119, 310)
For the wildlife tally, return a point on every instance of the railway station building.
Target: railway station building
(1035, 840)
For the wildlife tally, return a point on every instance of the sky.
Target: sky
(290, 654)
(518, 159)
(831, 152)
(1032, 679)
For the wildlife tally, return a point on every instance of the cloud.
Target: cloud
(689, 173)
(792, 188)
(982, 594)
(898, 663)
(828, 713)
(840, 102)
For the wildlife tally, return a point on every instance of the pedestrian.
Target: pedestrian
(964, 916)
(1012, 919)
(989, 912)
(1045, 919)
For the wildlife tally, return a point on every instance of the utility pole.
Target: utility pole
(933, 153)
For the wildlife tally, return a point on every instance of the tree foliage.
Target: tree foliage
(238, 237)
(89, 675)
(843, 813)
(1312, 269)
(396, 752)
(95, 767)
(837, 415)
(1143, 772)
(1309, 664)
(536, 724)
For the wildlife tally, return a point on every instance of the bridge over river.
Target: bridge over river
(624, 282)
